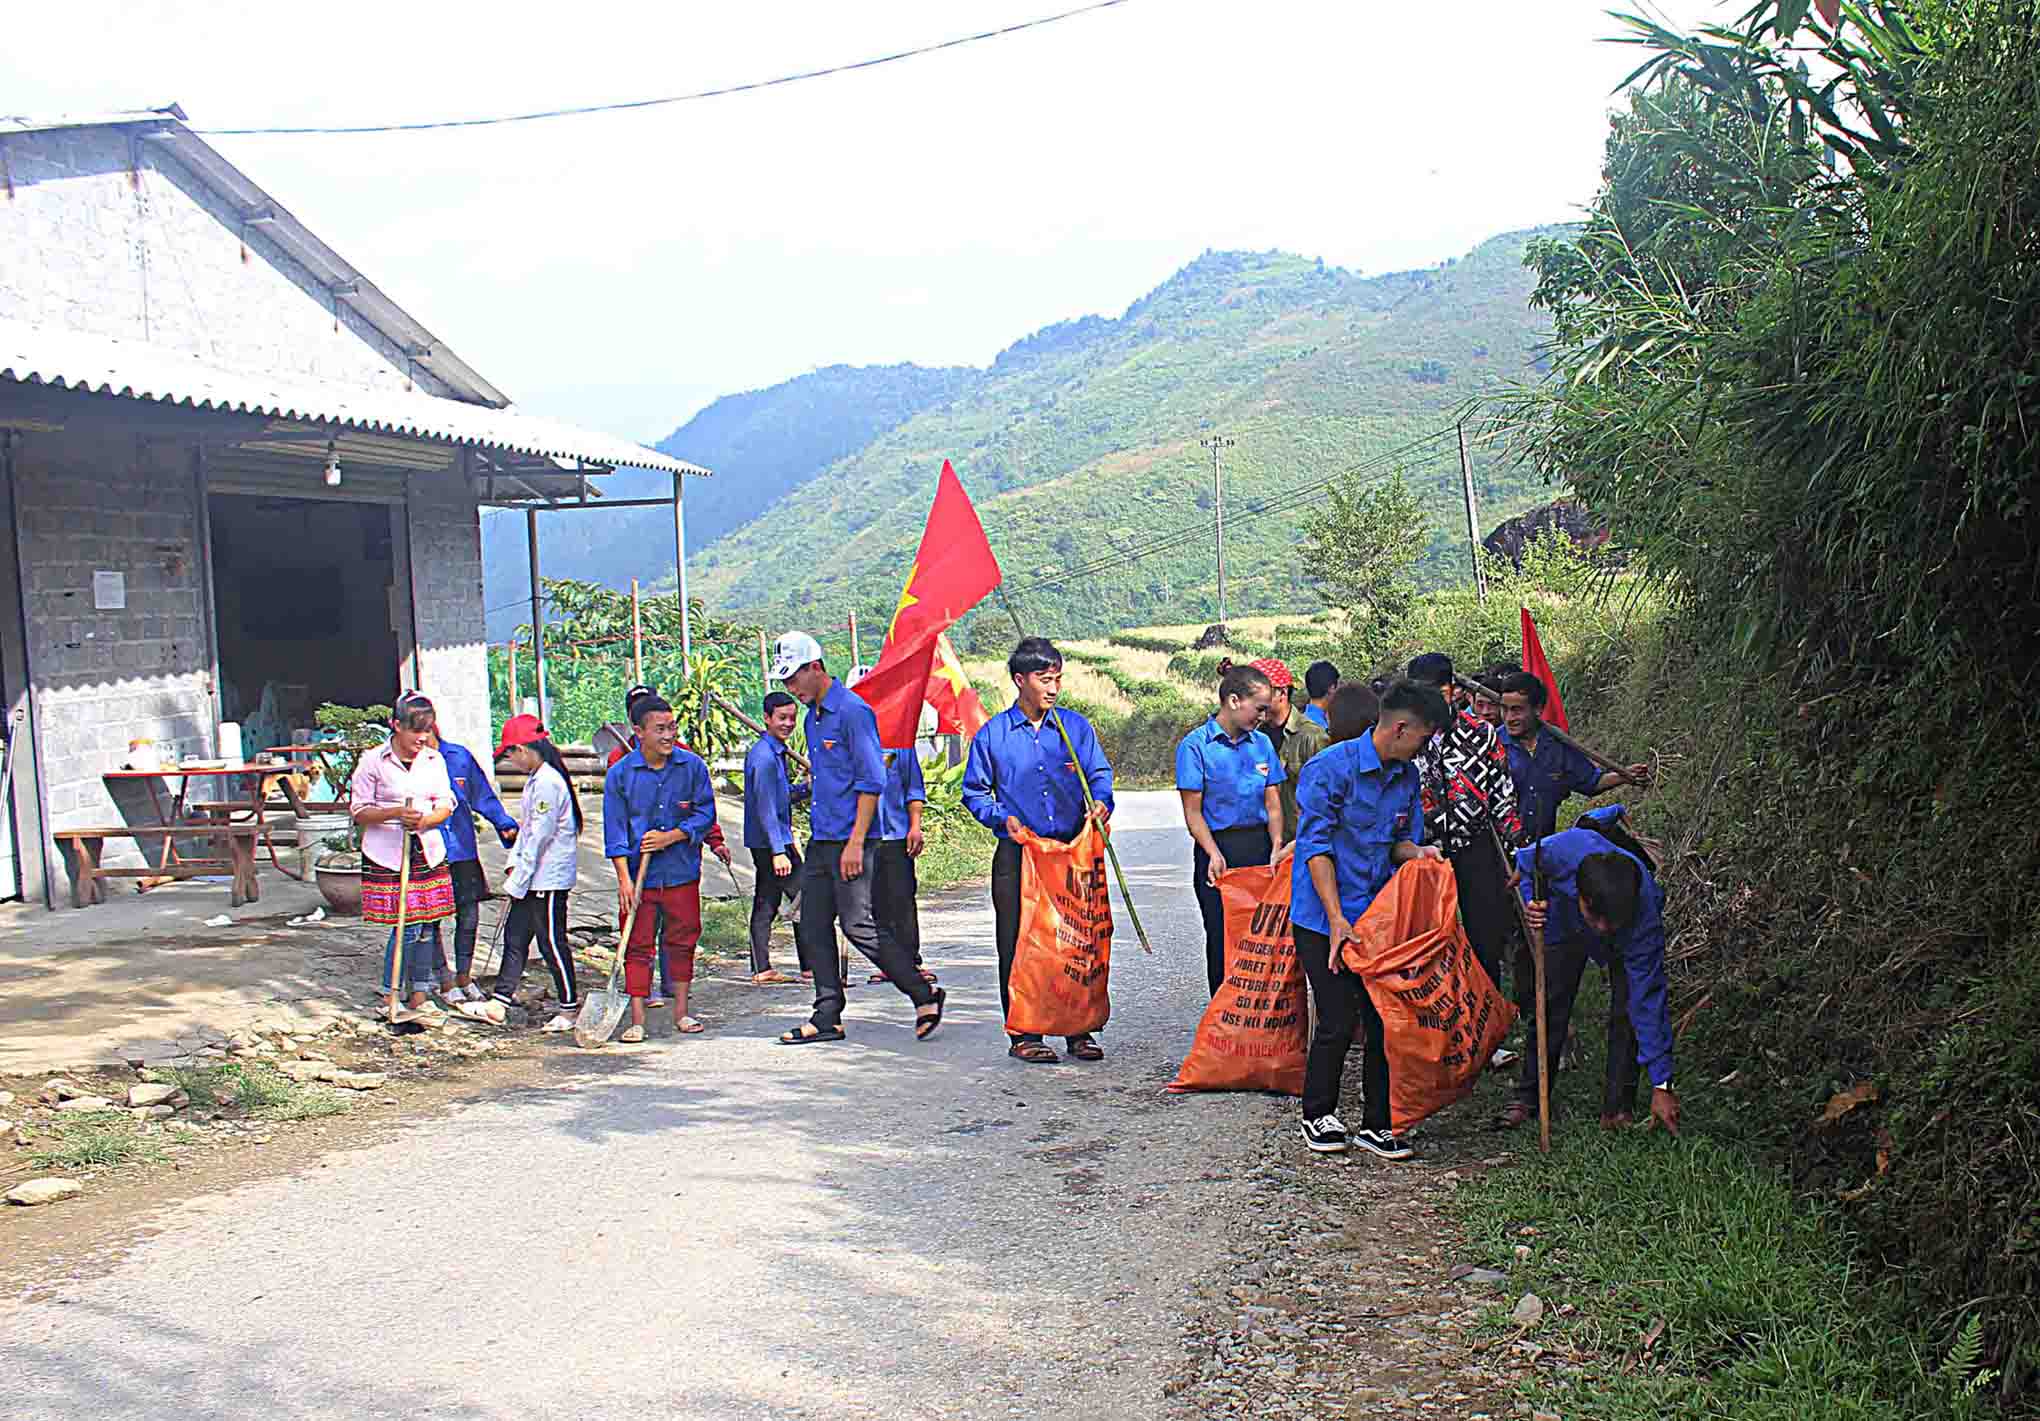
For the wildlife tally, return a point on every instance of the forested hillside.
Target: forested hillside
(760, 445)
(1081, 442)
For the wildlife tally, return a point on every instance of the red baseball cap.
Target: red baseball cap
(519, 730)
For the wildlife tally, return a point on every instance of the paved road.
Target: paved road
(721, 1228)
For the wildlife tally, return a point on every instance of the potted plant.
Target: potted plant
(351, 733)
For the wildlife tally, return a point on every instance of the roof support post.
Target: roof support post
(537, 610)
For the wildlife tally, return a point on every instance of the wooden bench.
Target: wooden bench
(82, 849)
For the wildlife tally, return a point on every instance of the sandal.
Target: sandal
(1034, 1051)
(1513, 1114)
(688, 1026)
(925, 1022)
(807, 1034)
(771, 978)
(1083, 1048)
(632, 1035)
(929, 977)
(875, 978)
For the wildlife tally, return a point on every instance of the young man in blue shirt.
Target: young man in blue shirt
(895, 888)
(472, 794)
(658, 800)
(836, 882)
(1363, 817)
(1320, 679)
(769, 797)
(1021, 775)
(1230, 779)
(1604, 905)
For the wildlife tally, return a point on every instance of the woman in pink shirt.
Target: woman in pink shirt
(402, 785)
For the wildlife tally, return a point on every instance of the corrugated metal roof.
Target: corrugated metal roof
(135, 370)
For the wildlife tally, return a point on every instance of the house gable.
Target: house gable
(106, 232)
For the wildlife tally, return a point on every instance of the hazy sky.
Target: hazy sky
(622, 270)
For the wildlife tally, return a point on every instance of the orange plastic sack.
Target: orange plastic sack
(1063, 962)
(1441, 1016)
(1254, 1035)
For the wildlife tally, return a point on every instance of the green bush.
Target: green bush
(1133, 641)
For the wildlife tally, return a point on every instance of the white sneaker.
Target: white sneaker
(560, 1023)
(1503, 1059)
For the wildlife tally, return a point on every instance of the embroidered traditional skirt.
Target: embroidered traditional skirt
(430, 896)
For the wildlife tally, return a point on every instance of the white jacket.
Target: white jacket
(545, 856)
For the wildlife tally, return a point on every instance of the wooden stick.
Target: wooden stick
(1090, 807)
(398, 1013)
(745, 720)
(637, 638)
(1536, 942)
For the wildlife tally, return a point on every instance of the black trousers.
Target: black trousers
(768, 891)
(1243, 848)
(1341, 1001)
(542, 916)
(894, 892)
(826, 899)
(1484, 905)
(1565, 963)
(470, 891)
(1006, 924)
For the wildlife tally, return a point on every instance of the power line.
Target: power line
(724, 92)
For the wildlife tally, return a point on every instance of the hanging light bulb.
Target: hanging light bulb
(332, 464)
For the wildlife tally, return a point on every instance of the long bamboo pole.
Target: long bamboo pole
(1535, 939)
(637, 638)
(1091, 808)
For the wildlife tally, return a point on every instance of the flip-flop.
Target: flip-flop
(929, 977)
(688, 1026)
(771, 979)
(875, 978)
(632, 1035)
(808, 1034)
(924, 1026)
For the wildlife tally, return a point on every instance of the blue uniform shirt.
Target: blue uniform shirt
(635, 797)
(1234, 773)
(1641, 949)
(904, 785)
(1353, 807)
(1024, 771)
(1313, 713)
(842, 744)
(472, 795)
(1544, 779)
(769, 796)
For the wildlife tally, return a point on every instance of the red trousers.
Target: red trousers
(672, 917)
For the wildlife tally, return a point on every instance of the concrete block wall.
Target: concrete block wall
(87, 503)
(128, 243)
(446, 572)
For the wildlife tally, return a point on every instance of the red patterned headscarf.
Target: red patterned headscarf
(1277, 674)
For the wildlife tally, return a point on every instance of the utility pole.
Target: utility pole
(1472, 518)
(1215, 444)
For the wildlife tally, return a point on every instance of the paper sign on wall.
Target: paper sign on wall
(109, 591)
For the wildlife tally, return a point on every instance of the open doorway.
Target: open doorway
(306, 601)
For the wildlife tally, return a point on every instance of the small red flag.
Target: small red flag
(952, 572)
(958, 709)
(1535, 663)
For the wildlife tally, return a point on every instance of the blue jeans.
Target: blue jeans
(421, 956)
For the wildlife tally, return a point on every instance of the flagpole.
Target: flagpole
(1090, 805)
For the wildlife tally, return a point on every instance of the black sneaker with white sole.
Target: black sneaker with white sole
(1385, 1143)
(1326, 1135)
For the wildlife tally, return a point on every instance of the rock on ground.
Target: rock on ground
(44, 1191)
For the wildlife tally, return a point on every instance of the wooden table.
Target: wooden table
(181, 815)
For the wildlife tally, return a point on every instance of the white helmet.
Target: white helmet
(794, 650)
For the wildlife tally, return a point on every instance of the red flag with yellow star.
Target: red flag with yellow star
(952, 572)
(958, 709)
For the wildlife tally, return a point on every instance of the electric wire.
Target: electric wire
(314, 130)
